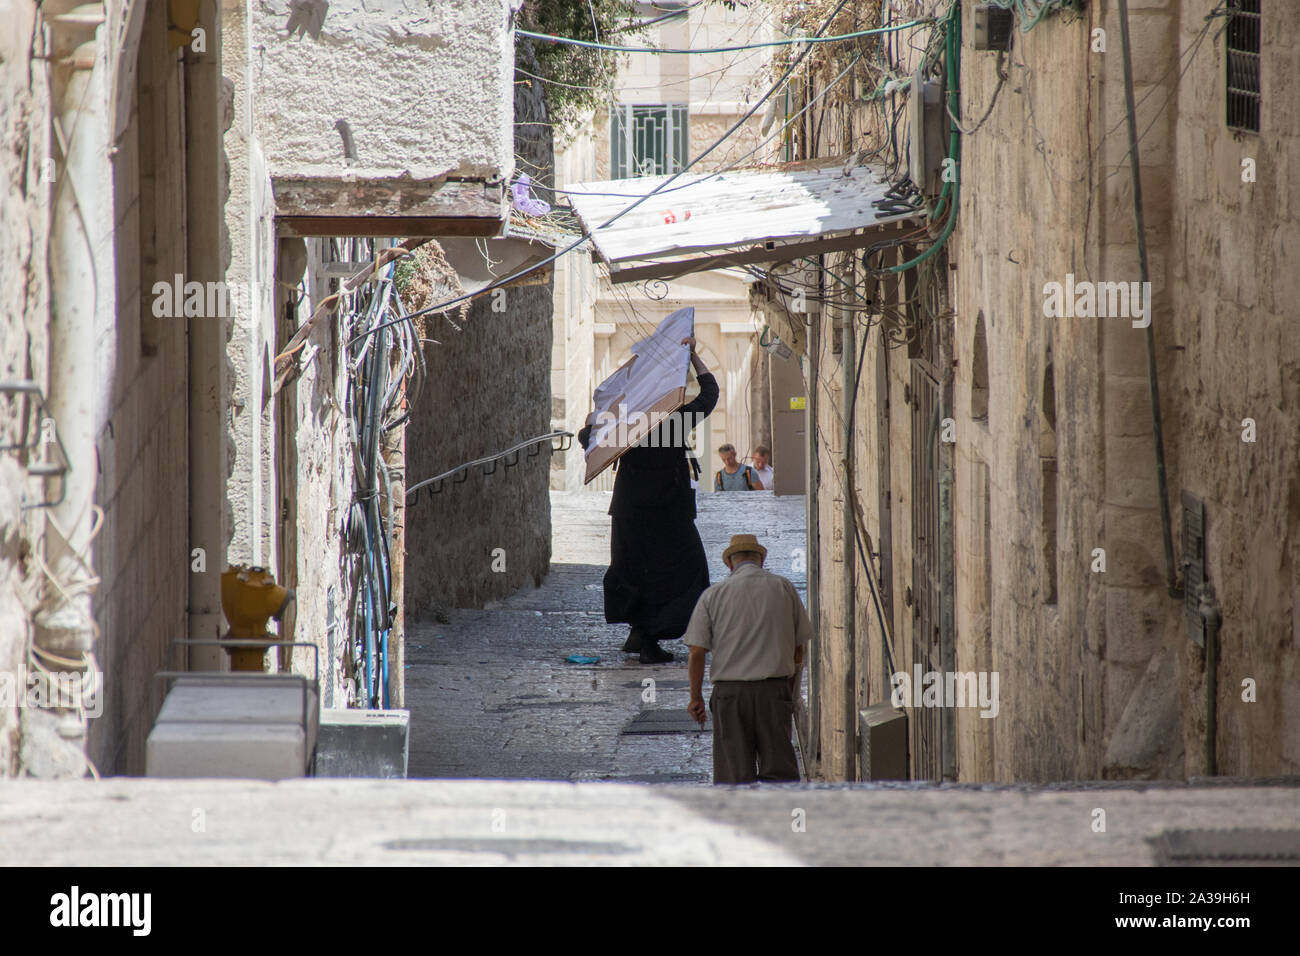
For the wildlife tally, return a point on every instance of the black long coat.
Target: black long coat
(657, 567)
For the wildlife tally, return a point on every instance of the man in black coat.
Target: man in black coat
(657, 568)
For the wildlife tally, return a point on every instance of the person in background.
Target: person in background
(755, 627)
(762, 458)
(733, 476)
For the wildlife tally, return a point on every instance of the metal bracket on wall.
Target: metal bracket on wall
(1193, 564)
(510, 458)
(40, 469)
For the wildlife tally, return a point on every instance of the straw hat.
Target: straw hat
(743, 542)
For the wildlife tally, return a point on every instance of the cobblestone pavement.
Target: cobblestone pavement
(492, 696)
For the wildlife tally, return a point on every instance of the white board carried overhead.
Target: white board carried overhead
(641, 392)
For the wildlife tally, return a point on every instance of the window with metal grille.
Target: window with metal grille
(1243, 65)
(647, 140)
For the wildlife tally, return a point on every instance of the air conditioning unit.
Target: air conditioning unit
(882, 743)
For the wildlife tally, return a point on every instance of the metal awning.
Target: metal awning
(717, 220)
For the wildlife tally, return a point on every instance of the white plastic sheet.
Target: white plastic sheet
(642, 392)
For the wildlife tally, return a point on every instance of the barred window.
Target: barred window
(647, 140)
(1243, 65)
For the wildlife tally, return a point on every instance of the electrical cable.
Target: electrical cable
(1032, 12)
(443, 306)
(640, 89)
(734, 163)
(952, 186)
(815, 39)
(1002, 79)
(670, 15)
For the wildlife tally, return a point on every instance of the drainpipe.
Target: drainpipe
(947, 452)
(208, 386)
(81, 303)
(947, 580)
(1157, 433)
(1211, 618)
(850, 687)
(813, 540)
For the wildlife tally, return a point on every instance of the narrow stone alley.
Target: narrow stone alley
(332, 328)
(492, 695)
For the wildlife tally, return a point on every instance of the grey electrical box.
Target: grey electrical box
(882, 743)
(929, 142)
(993, 27)
(363, 743)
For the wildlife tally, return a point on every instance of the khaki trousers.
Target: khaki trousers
(751, 731)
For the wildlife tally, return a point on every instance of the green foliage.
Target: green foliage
(588, 75)
(403, 273)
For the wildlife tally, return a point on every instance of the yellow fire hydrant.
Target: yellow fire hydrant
(249, 597)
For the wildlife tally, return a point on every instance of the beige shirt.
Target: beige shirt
(750, 624)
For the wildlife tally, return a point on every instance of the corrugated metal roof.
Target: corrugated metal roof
(743, 215)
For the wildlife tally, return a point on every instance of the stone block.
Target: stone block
(244, 728)
(1147, 742)
(1123, 349)
(1128, 407)
(1130, 472)
(385, 63)
(1135, 620)
(1134, 552)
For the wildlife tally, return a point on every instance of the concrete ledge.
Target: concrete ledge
(247, 751)
(208, 727)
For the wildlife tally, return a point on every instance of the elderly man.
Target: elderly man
(755, 626)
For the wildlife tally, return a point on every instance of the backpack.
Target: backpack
(745, 470)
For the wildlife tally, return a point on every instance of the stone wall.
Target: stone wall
(1060, 576)
(101, 227)
(1028, 467)
(142, 552)
(251, 488)
(488, 388)
(326, 63)
(573, 363)
(1233, 273)
(24, 233)
(316, 452)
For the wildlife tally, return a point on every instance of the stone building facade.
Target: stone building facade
(148, 154)
(116, 195)
(1003, 469)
